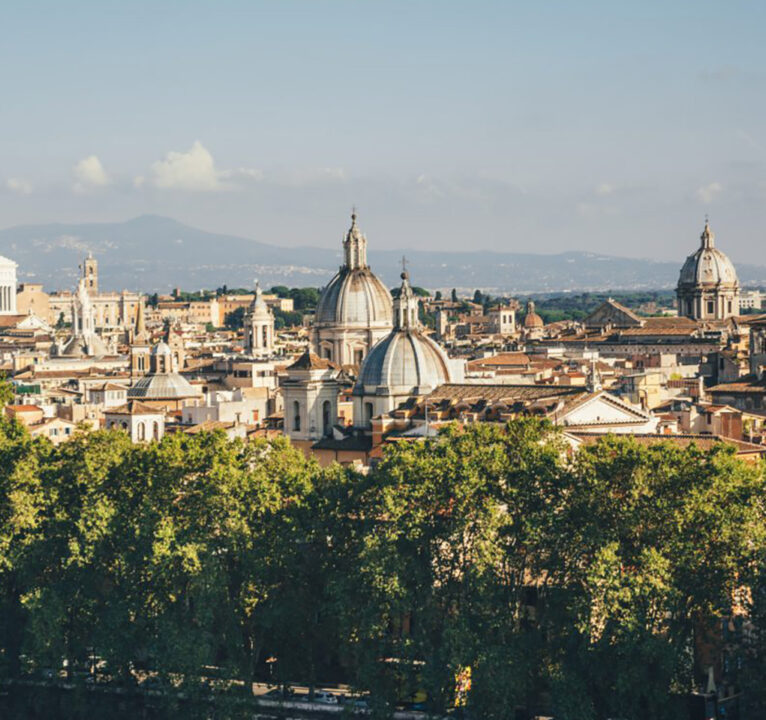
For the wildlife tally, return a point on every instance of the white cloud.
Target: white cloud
(604, 189)
(194, 170)
(17, 185)
(707, 193)
(89, 173)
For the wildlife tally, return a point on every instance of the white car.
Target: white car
(320, 696)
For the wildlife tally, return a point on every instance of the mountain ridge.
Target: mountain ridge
(156, 253)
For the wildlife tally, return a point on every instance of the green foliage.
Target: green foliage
(283, 319)
(235, 319)
(574, 586)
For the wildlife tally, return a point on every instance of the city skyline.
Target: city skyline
(596, 128)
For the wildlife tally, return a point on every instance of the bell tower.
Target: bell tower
(90, 274)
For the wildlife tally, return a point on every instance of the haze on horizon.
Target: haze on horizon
(538, 127)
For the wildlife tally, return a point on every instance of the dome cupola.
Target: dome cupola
(404, 364)
(354, 309)
(708, 287)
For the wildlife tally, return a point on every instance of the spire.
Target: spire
(708, 236)
(355, 246)
(406, 306)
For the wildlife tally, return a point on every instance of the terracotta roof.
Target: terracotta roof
(751, 387)
(502, 360)
(703, 442)
(310, 361)
(500, 392)
(133, 407)
(23, 408)
(209, 426)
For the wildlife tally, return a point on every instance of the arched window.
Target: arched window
(156, 430)
(141, 431)
(358, 356)
(326, 419)
(368, 414)
(124, 425)
(296, 416)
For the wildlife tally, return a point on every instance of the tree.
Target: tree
(478, 297)
(305, 298)
(454, 295)
(235, 319)
(438, 295)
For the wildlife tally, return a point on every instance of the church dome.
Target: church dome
(532, 320)
(162, 348)
(355, 297)
(162, 386)
(406, 360)
(708, 266)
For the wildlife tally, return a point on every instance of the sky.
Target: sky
(539, 126)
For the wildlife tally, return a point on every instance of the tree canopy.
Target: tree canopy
(576, 585)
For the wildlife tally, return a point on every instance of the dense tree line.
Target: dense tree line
(575, 584)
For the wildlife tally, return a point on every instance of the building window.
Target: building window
(368, 414)
(710, 307)
(156, 431)
(326, 420)
(296, 416)
(141, 431)
(730, 307)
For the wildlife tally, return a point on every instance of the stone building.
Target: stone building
(708, 288)
(354, 309)
(310, 394)
(111, 310)
(7, 286)
(142, 422)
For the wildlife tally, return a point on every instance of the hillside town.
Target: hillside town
(363, 369)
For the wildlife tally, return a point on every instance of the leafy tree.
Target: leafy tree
(280, 291)
(454, 295)
(235, 319)
(438, 295)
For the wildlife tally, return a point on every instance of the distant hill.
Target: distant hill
(153, 253)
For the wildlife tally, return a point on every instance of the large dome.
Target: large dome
(708, 265)
(355, 297)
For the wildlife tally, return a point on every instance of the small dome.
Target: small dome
(406, 361)
(162, 348)
(708, 265)
(162, 386)
(532, 319)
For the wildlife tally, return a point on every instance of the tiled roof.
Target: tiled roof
(703, 442)
(310, 361)
(133, 407)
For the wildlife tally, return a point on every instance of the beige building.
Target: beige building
(111, 310)
(31, 299)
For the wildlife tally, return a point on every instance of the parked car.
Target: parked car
(327, 698)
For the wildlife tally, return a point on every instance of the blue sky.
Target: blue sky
(540, 126)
